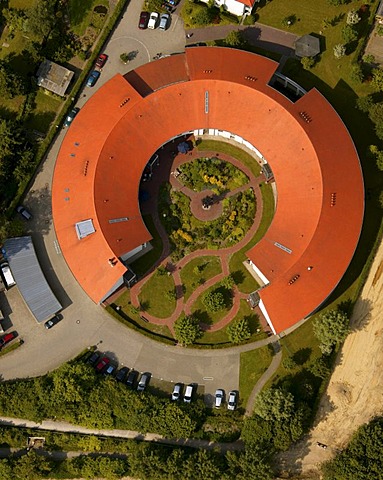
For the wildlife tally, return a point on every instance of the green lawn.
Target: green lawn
(153, 296)
(253, 364)
(246, 282)
(233, 151)
(80, 13)
(191, 278)
(190, 10)
(143, 264)
(46, 108)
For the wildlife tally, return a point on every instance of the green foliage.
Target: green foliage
(308, 62)
(339, 50)
(14, 18)
(320, 368)
(234, 39)
(377, 79)
(274, 404)
(352, 17)
(289, 363)
(187, 330)
(12, 83)
(362, 459)
(331, 329)
(357, 73)
(41, 18)
(248, 465)
(227, 282)
(239, 331)
(31, 466)
(349, 33)
(203, 17)
(214, 301)
(10, 228)
(337, 2)
(377, 155)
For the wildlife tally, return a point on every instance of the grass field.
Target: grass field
(153, 296)
(253, 365)
(46, 109)
(211, 266)
(143, 264)
(204, 316)
(80, 13)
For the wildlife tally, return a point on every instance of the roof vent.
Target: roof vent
(250, 78)
(306, 117)
(333, 199)
(294, 279)
(124, 102)
(207, 71)
(86, 168)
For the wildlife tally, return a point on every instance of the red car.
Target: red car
(102, 364)
(144, 18)
(7, 338)
(101, 60)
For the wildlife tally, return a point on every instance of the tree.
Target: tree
(364, 104)
(274, 404)
(247, 465)
(41, 18)
(10, 228)
(15, 19)
(31, 466)
(377, 78)
(331, 328)
(238, 331)
(377, 155)
(203, 17)
(187, 330)
(214, 301)
(349, 34)
(234, 39)
(357, 73)
(307, 62)
(352, 17)
(339, 50)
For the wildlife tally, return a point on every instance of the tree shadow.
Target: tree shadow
(203, 317)
(238, 277)
(302, 356)
(361, 315)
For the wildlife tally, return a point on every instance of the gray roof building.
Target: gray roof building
(307, 46)
(30, 279)
(54, 77)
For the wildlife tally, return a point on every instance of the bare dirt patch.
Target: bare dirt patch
(354, 394)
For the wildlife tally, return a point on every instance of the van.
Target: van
(24, 212)
(7, 275)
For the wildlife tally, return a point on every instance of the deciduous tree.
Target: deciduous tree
(238, 331)
(331, 328)
(187, 330)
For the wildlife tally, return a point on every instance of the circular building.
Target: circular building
(233, 94)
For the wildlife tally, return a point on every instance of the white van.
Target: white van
(7, 275)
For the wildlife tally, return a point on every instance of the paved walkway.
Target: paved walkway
(223, 254)
(127, 434)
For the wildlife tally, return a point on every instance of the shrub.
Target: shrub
(214, 301)
(187, 330)
(238, 331)
(307, 62)
(339, 50)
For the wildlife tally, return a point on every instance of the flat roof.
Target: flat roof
(30, 279)
(98, 171)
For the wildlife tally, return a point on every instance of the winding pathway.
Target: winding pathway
(224, 254)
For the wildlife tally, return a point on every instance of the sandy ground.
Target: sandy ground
(355, 391)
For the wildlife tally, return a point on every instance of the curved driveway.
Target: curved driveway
(85, 323)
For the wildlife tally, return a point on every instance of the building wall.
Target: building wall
(232, 6)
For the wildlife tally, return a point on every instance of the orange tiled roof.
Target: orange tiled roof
(130, 117)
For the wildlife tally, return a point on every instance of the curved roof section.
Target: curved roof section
(309, 150)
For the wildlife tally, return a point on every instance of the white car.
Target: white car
(189, 393)
(177, 391)
(232, 402)
(153, 20)
(219, 394)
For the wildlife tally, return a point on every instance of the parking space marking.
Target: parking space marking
(57, 247)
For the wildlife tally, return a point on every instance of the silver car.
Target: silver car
(232, 402)
(164, 21)
(143, 383)
(219, 394)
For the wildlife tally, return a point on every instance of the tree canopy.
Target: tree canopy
(331, 329)
(187, 330)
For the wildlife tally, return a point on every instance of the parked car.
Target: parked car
(109, 370)
(189, 393)
(92, 79)
(52, 321)
(93, 358)
(177, 392)
(144, 19)
(219, 395)
(143, 383)
(132, 378)
(232, 401)
(70, 116)
(121, 374)
(153, 20)
(101, 60)
(24, 212)
(102, 364)
(7, 338)
(164, 20)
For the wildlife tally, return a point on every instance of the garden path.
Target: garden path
(224, 254)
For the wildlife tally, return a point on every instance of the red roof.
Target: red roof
(130, 117)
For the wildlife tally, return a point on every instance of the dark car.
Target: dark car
(102, 364)
(92, 79)
(52, 321)
(132, 378)
(93, 358)
(121, 374)
(109, 370)
(144, 381)
(101, 60)
(7, 338)
(70, 116)
(24, 212)
(144, 19)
